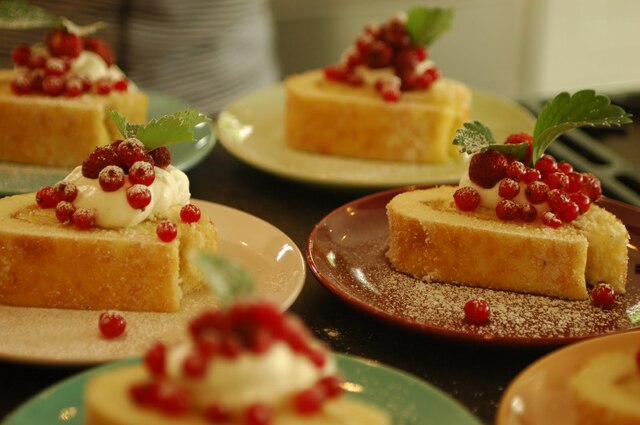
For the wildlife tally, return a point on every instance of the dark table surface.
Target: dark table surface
(473, 373)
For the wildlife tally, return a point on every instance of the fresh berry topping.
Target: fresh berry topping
(582, 200)
(111, 324)
(154, 359)
(190, 213)
(64, 44)
(53, 85)
(591, 186)
(121, 85)
(507, 210)
(64, 211)
(487, 168)
(55, 66)
(146, 393)
(508, 188)
(466, 198)
(97, 160)
(111, 178)
(576, 181)
(308, 402)
(100, 47)
(84, 218)
(565, 167)
(378, 55)
(536, 192)
(331, 386)
(173, 401)
(477, 311)
(568, 211)
(166, 230)
(73, 87)
(557, 198)
(551, 220)
(130, 150)
(103, 86)
(531, 175)
(258, 414)
(217, 413)
(528, 213)
(142, 172)
(161, 157)
(138, 196)
(20, 55)
(46, 197)
(517, 138)
(603, 295)
(515, 170)
(194, 365)
(546, 165)
(36, 62)
(557, 180)
(21, 85)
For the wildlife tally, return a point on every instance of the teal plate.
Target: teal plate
(21, 178)
(408, 400)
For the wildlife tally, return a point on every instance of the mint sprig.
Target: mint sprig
(425, 24)
(566, 112)
(477, 137)
(166, 130)
(226, 277)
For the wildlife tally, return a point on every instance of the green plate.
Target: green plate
(21, 178)
(409, 400)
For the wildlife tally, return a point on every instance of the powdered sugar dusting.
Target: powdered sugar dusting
(360, 270)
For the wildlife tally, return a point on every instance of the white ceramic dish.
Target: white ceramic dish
(252, 129)
(71, 337)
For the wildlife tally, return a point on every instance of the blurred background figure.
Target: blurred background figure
(205, 52)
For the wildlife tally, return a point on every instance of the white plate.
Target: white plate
(252, 129)
(21, 178)
(71, 337)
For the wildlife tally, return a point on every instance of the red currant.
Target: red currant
(557, 180)
(145, 393)
(576, 182)
(173, 401)
(138, 196)
(154, 359)
(531, 175)
(97, 160)
(111, 324)
(190, 213)
(507, 210)
(73, 87)
(546, 165)
(47, 197)
(477, 311)
(20, 54)
(551, 220)
(592, 186)
(53, 85)
(515, 170)
(130, 150)
(331, 386)
(508, 188)
(536, 192)
(142, 172)
(111, 178)
(194, 365)
(308, 402)
(568, 212)
(84, 218)
(121, 85)
(603, 295)
(167, 230)
(466, 198)
(161, 157)
(55, 66)
(528, 213)
(103, 86)
(518, 138)
(64, 211)
(565, 167)
(556, 198)
(217, 413)
(583, 201)
(21, 85)
(258, 414)
(487, 168)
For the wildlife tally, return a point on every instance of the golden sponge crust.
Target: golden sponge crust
(431, 239)
(44, 263)
(61, 131)
(333, 118)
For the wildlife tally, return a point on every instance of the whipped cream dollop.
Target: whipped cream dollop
(271, 377)
(490, 197)
(170, 187)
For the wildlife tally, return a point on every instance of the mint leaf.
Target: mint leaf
(81, 30)
(17, 14)
(566, 112)
(473, 137)
(424, 24)
(227, 278)
(169, 129)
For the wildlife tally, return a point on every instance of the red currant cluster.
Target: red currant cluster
(50, 74)
(245, 327)
(388, 45)
(554, 186)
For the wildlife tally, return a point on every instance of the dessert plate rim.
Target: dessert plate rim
(340, 273)
(549, 400)
(71, 337)
(20, 178)
(252, 129)
(408, 399)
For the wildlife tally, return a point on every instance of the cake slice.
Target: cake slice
(45, 263)
(327, 117)
(431, 239)
(385, 100)
(607, 389)
(519, 220)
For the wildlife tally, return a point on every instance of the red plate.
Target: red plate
(346, 252)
